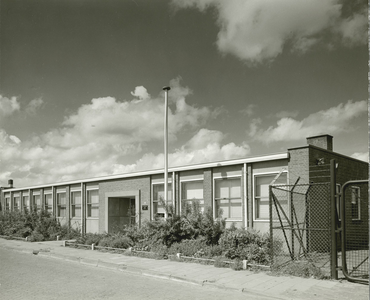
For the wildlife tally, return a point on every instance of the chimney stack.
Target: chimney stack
(10, 183)
(324, 141)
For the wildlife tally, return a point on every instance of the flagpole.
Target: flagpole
(166, 89)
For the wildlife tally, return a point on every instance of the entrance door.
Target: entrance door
(121, 212)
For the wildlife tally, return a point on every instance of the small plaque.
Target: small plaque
(144, 207)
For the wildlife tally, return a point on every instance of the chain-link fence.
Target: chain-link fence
(354, 249)
(300, 224)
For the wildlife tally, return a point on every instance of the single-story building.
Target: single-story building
(239, 187)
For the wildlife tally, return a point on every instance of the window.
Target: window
(26, 203)
(36, 201)
(75, 204)
(7, 203)
(261, 195)
(228, 198)
(355, 203)
(190, 191)
(93, 204)
(48, 204)
(16, 203)
(61, 204)
(158, 198)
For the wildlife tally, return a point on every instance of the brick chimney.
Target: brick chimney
(324, 141)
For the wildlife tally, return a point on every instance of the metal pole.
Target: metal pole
(166, 89)
(333, 218)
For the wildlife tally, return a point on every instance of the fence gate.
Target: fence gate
(300, 225)
(354, 228)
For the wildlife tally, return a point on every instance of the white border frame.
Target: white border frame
(214, 193)
(254, 192)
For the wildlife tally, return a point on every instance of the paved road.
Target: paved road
(27, 276)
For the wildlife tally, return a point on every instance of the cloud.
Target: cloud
(249, 110)
(354, 29)
(8, 106)
(334, 120)
(106, 135)
(258, 30)
(34, 105)
(205, 146)
(364, 156)
(286, 113)
(141, 93)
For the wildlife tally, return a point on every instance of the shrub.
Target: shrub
(300, 269)
(220, 262)
(196, 248)
(121, 241)
(246, 244)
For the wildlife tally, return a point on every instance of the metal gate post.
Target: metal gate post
(333, 217)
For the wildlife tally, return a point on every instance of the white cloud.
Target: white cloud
(361, 156)
(258, 30)
(141, 92)
(331, 121)
(98, 138)
(249, 110)
(205, 146)
(34, 105)
(354, 29)
(286, 113)
(9, 106)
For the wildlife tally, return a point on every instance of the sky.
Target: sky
(81, 82)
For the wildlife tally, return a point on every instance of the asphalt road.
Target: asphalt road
(27, 276)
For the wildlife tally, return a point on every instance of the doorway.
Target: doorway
(121, 212)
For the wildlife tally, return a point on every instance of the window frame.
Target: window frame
(25, 201)
(75, 206)
(90, 205)
(60, 206)
(155, 202)
(49, 207)
(273, 174)
(201, 200)
(18, 206)
(7, 203)
(215, 211)
(34, 201)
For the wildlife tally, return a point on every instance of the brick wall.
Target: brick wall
(141, 184)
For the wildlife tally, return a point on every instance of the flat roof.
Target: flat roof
(254, 159)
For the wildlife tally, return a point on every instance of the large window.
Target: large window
(158, 199)
(355, 203)
(192, 191)
(61, 205)
(75, 204)
(92, 203)
(16, 203)
(7, 203)
(36, 201)
(261, 194)
(48, 203)
(26, 203)
(228, 198)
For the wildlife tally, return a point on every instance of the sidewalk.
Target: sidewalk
(258, 284)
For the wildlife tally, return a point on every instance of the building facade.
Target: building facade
(240, 188)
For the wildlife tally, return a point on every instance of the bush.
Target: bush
(38, 225)
(196, 248)
(300, 269)
(246, 244)
(120, 241)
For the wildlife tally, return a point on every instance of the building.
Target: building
(239, 187)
